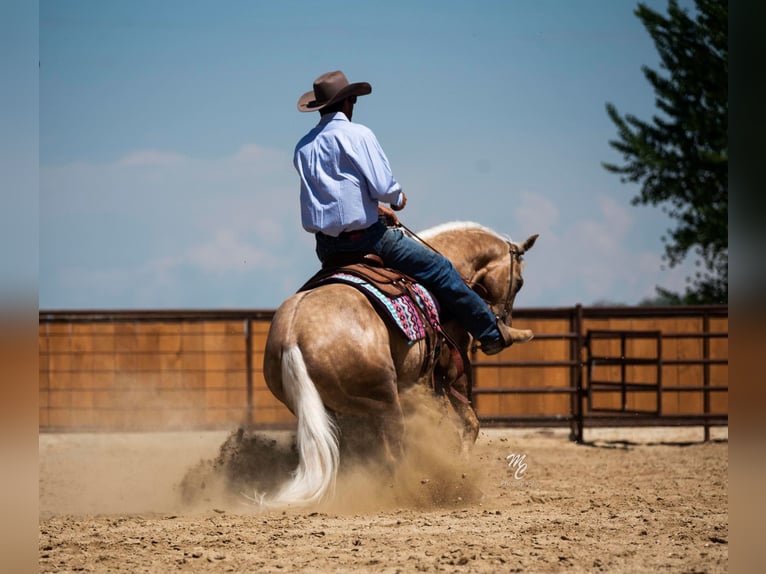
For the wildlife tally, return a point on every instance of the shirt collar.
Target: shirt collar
(327, 118)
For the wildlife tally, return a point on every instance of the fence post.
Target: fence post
(706, 372)
(576, 326)
(249, 371)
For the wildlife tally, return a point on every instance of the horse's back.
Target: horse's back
(319, 317)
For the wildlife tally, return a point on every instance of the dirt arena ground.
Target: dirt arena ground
(631, 500)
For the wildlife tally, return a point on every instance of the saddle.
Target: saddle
(369, 267)
(404, 304)
(398, 298)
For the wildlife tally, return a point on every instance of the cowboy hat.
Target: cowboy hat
(330, 88)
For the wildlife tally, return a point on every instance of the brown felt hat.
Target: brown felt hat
(330, 88)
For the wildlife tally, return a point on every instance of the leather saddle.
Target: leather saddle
(368, 267)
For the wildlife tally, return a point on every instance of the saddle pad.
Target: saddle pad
(401, 309)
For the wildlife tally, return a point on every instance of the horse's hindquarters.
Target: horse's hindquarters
(349, 352)
(350, 356)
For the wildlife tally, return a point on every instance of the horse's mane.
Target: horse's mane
(457, 226)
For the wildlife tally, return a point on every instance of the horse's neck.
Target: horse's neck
(470, 252)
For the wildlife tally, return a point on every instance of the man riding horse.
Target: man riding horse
(345, 176)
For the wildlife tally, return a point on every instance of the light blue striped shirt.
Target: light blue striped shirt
(344, 174)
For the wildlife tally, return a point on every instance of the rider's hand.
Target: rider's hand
(391, 218)
(404, 202)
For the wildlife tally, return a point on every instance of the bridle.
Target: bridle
(513, 251)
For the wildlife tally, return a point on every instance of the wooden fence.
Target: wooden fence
(587, 366)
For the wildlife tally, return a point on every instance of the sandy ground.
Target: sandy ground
(631, 500)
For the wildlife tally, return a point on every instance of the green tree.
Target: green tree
(680, 158)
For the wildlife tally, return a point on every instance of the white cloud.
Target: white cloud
(537, 212)
(159, 215)
(589, 259)
(225, 253)
(617, 219)
(252, 154)
(150, 157)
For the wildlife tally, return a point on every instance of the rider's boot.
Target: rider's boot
(508, 336)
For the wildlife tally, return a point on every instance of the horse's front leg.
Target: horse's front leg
(454, 373)
(458, 398)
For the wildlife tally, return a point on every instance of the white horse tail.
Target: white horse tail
(317, 437)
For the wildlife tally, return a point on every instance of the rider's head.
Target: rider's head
(346, 105)
(333, 93)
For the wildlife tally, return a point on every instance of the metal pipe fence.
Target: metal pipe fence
(204, 366)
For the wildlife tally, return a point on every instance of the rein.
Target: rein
(416, 236)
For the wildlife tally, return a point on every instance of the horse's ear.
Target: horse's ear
(527, 245)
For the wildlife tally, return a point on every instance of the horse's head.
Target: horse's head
(490, 263)
(500, 279)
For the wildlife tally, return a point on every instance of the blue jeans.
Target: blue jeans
(434, 271)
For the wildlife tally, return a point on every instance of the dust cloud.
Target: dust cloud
(432, 472)
(187, 472)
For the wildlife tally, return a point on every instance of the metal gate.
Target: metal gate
(615, 373)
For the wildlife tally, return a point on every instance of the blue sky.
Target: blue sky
(166, 131)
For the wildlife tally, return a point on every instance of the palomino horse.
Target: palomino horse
(329, 355)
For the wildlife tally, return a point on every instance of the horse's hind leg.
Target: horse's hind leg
(376, 437)
(392, 437)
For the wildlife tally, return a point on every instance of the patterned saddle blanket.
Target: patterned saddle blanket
(400, 300)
